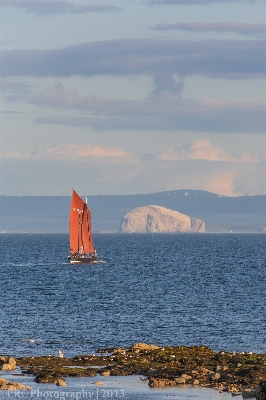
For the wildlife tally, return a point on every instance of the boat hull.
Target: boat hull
(82, 260)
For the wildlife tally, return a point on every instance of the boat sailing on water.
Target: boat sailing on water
(81, 243)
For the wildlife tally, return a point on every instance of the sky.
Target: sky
(127, 97)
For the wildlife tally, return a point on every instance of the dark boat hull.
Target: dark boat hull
(82, 260)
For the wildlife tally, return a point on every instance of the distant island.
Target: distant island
(157, 219)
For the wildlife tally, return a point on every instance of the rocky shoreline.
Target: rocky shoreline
(238, 373)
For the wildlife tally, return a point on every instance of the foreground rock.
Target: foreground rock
(60, 382)
(144, 346)
(156, 219)
(261, 391)
(50, 369)
(6, 385)
(7, 363)
(238, 373)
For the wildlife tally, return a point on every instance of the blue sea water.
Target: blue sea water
(183, 289)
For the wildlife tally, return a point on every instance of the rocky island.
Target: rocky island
(157, 219)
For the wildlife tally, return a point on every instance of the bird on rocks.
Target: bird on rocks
(61, 355)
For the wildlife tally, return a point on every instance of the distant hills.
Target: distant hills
(50, 214)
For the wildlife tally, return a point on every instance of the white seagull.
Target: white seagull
(61, 355)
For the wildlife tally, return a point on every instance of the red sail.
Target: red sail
(80, 226)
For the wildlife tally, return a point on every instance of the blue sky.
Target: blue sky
(135, 96)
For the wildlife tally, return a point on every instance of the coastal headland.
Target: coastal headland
(238, 373)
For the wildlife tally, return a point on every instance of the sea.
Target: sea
(163, 289)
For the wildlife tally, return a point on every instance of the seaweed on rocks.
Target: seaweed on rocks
(162, 366)
(52, 374)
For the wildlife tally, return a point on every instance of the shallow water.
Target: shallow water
(163, 289)
(126, 388)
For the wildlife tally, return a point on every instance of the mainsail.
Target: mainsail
(80, 227)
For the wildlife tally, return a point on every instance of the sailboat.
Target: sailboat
(81, 244)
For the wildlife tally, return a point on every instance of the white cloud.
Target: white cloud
(197, 150)
(11, 154)
(222, 183)
(79, 151)
(204, 150)
(73, 151)
(198, 165)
